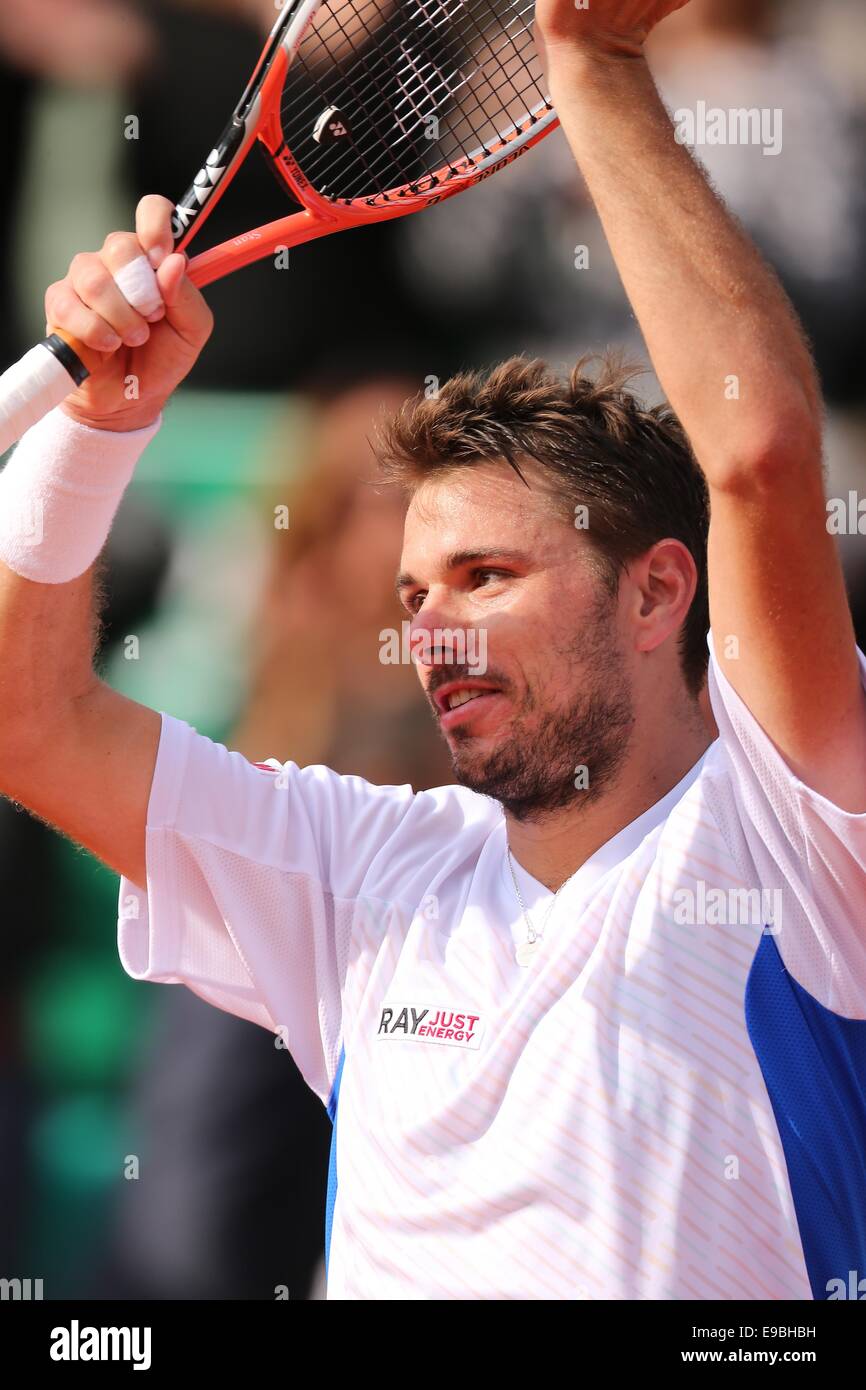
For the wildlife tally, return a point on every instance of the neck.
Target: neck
(553, 848)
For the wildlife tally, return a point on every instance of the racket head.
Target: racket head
(372, 109)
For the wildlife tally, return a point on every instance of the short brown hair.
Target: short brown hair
(631, 466)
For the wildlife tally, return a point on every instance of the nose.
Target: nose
(435, 634)
(425, 638)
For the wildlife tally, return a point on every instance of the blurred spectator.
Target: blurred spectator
(84, 42)
(81, 42)
(319, 688)
(508, 258)
(805, 206)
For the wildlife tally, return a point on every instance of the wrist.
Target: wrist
(576, 68)
(600, 52)
(118, 422)
(59, 493)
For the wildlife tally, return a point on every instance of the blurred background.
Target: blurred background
(150, 1146)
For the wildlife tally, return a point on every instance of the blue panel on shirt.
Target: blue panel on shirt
(333, 1101)
(814, 1066)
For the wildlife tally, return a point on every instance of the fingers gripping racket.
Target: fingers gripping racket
(366, 110)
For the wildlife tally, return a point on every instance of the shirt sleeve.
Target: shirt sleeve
(253, 878)
(804, 852)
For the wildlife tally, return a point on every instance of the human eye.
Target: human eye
(485, 573)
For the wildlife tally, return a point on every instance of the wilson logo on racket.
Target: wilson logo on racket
(442, 93)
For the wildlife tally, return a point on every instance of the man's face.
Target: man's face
(486, 557)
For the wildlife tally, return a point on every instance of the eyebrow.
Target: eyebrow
(458, 558)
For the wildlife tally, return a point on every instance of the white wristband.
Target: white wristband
(59, 493)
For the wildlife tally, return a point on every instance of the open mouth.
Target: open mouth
(462, 699)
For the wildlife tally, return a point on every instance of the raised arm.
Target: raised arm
(73, 751)
(732, 359)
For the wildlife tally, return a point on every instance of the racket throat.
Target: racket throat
(211, 180)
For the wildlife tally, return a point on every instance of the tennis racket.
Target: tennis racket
(366, 110)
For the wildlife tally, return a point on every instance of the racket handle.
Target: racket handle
(36, 383)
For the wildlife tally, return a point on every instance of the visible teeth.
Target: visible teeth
(461, 697)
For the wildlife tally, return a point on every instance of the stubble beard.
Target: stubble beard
(550, 759)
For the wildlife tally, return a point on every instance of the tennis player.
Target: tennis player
(592, 1023)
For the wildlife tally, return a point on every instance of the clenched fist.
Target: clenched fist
(135, 362)
(615, 27)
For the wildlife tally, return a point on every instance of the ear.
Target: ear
(663, 582)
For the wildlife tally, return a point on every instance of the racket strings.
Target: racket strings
(422, 89)
(357, 147)
(421, 111)
(374, 71)
(423, 99)
(413, 99)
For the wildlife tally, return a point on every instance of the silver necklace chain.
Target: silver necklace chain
(527, 948)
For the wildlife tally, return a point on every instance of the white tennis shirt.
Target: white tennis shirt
(668, 1103)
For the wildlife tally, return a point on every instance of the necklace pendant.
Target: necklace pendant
(526, 951)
